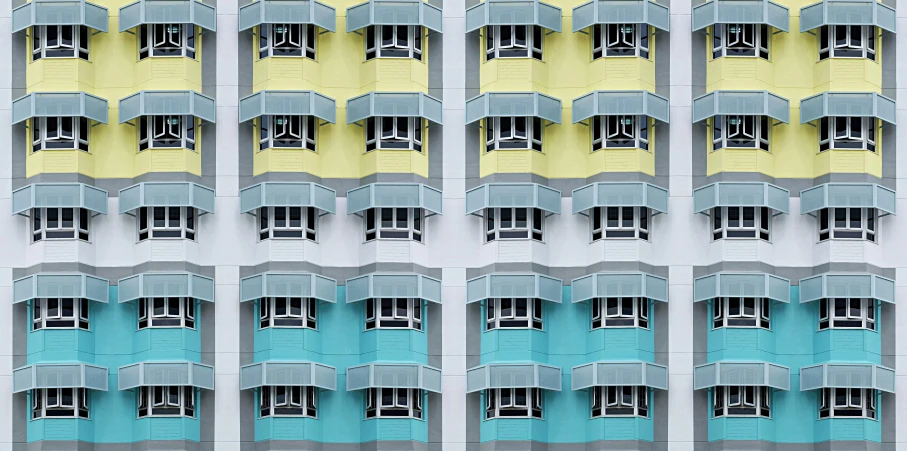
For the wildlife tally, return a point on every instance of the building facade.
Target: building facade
(497, 225)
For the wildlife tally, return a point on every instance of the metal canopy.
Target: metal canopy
(59, 12)
(287, 194)
(502, 285)
(57, 104)
(287, 11)
(509, 195)
(599, 12)
(166, 194)
(856, 195)
(59, 375)
(847, 375)
(619, 284)
(620, 194)
(729, 284)
(848, 12)
(371, 286)
(760, 374)
(50, 285)
(290, 103)
(513, 12)
(155, 374)
(848, 104)
(59, 195)
(741, 194)
(513, 375)
(393, 195)
(393, 375)
(166, 103)
(741, 11)
(393, 104)
(286, 373)
(619, 374)
(620, 103)
(286, 284)
(168, 11)
(166, 284)
(836, 285)
(746, 103)
(513, 104)
(393, 12)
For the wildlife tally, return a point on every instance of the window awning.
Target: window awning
(165, 103)
(617, 374)
(372, 286)
(620, 103)
(848, 12)
(513, 12)
(153, 374)
(727, 284)
(59, 12)
(393, 104)
(619, 284)
(848, 104)
(50, 285)
(303, 285)
(291, 103)
(830, 285)
(856, 195)
(746, 103)
(847, 375)
(620, 194)
(621, 11)
(166, 194)
(393, 195)
(513, 195)
(741, 11)
(294, 374)
(168, 11)
(287, 194)
(513, 375)
(59, 195)
(59, 375)
(393, 12)
(154, 284)
(393, 375)
(287, 11)
(760, 374)
(530, 285)
(516, 104)
(55, 104)
(741, 194)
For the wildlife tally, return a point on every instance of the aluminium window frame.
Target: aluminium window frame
(614, 398)
(154, 397)
(414, 229)
(759, 34)
(760, 126)
(43, 404)
(188, 310)
(44, 228)
(79, 45)
(406, 133)
(305, 315)
(44, 140)
(413, 315)
(269, 228)
(757, 398)
(867, 314)
(501, 400)
(760, 318)
(44, 311)
(840, 133)
(268, 44)
(864, 46)
(613, 132)
(499, 46)
(612, 312)
(182, 134)
(612, 40)
(407, 47)
(603, 228)
(187, 228)
(721, 220)
(498, 228)
(531, 137)
(298, 401)
(148, 40)
(407, 401)
(868, 229)
(498, 317)
(306, 129)
(864, 403)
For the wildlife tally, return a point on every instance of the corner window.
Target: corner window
(394, 223)
(740, 40)
(747, 401)
(741, 312)
(514, 224)
(626, 39)
(284, 401)
(167, 132)
(287, 222)
(620, 312)
(166, 312)
(393, 41)
(166, 40)
(60, 41)
(856, 133)
(741, 222)
(167, 222)
(847, 313)
(60, 313)
(286, 39)
(288, 312)
(513, 41)
(620, 401)
(286, 132)
(399, 133)
(620, 222)
(513, 403)
(393, 403)
(740, 132)
(513, 313)
(166, 401)
(513, 133)
(59, 224)
(53, 133)
(59, 403)
(848, 403)
(847, 41)
(393, 313)
(848, 224)
(620, 132)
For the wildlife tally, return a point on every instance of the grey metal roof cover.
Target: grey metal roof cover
(287, 284)
(165, 103)
(287, 194)
(741, 194)
(59, 375)
(847, 375)
(741, 11)
(393, 285)
(848, 12)
(613, 103)
(513, 104)
(735, 284)
(59, 12)
(513, 375)
(848, 104)
(620, 194)
(507, 285)
(154, 374)
(619, 373)
(168, 11)
(166, 194)
(725, 373)
(287, 373)
(393, 12)
(621, 11)
(393, 375)
(844, 285)
(857, 195)
(287, 11)
(290, 103)
(56, 104)
(59, 195)
(747, 103)
(513, 12)
(61, 285)
(165, 284)
(496, 195)
(619, 284)
(393, 104)
(409, 195)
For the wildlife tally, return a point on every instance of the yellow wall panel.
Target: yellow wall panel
(168, 160)
(59, 161)
(394, 161)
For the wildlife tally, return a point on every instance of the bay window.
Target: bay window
(283, 401)
(740, 132)
(60, 313)
(167, 132)
(66, 132)
(740, 40)
(620, 401)
(517, 132)
(393, 41)
(847, 313)
(60, 41)
(620, 312)
(625, 39)
(857, 133)
(287, 222)
(401, 133)
(394, 223)
(393, 403)
(393, 313)
(288, 312)
(620, 222)
(166, 312)
(514, 224)
(513, 41)
(517, 402)
(847, 41)
(166, 401)
(848, 223)
(286, 39)
(166, 40)
(286, 132)
(741, 222)
(847, 403)
(513, 313)
(59, 224)
(620, 132)
(166, 222)
(741, 312)
(742, 401)
(60, 403)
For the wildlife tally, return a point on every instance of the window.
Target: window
(287, 132)
(288, 312)
(167, 222)
(622, 401)
(847, 41)
(287, 222)
(394, 223)
(286, 39)
(401, 133)
(166, 40)
(393, 313)
(513, 313)
(60, 41)
(393, 402)
(741, 312)
(847, 403)
(847, 133)
(513, 224)
(284, 401)
(847, 313)
(52, 133)
(745, 401)
(513, 41)
(848, 223)
(59, 403)
(60, 313)
(620, 312)
(166, 132)
(741, 222)
(393, 41)
(166, 312)
(513, 403)
(166, 401)
(513, 133)
(740, 40)
(620, 132)
(620, 222)
(59, 223)
(740, 132)
(626, 39)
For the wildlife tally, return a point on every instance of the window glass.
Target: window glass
(847, 313)
(741, 222)
(848, 223)
(513, 133)
(513, 403)
(395, 223)
(394, 402)
(157, 40)
(740, 40)
(394, 41)
(514, 223)
(166, 312)
(513, 41)
(166, 401)
(393, 313)
(166, 222)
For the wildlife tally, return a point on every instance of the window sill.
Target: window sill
(850, 240)
(847, 418)
(44, 240)
(59, 150)
(393, 418)
(382, 149)
(504, 329)
(619, 416)
(511, 240)
(513, 418)
(754, 417)
(283, 149)
(618, 327)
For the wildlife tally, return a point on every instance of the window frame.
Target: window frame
(760, 401)
(495, 403)
(77, 139)
(761, 132)
(603, 315)
(373, 224)
(863, 47)
(411, 405)
(183, 135)
(760, 35)
(306, 34)
(413, 317)
(40, 223)
(866, 404)
(307, 130)
(79, 45)
(637, 45)
(604, 135)
(867, 317)
(497, 47)
(268, 228)
(305, 318)
(187, 315)
(79, 407)
(530, 138)
(149, 400)
(301, 398)
(43, 316)
(187, 228)
(612, 397)
(602, 227)
(839, 133)
(376, 47)
(868, 229)
(410, 139)
(760, 318)
(761, 228)
(147, 39)
(495, 317)
(495, 230)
